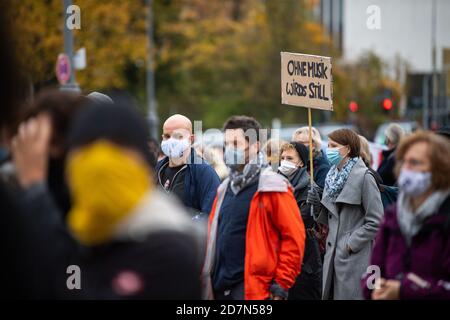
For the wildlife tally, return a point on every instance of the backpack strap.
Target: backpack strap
(380, 186)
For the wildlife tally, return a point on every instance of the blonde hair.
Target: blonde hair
(214, 158)
(365, 151)
(286, 146)
(316, 138)
(272, 150)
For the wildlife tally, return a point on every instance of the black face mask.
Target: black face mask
(57, 185)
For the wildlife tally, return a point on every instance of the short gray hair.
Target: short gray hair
(394, 132)
(316, 138)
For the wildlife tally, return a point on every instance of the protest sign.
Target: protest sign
(306, 81)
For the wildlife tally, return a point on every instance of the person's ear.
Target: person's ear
(192, 138)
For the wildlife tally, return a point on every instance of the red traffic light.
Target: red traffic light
(387, 104)
(353, 106)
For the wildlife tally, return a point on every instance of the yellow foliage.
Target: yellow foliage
(113, 33)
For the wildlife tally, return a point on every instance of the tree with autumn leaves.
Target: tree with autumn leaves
(212, 58)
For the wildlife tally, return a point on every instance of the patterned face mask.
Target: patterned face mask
(414, 183)
(175, 148)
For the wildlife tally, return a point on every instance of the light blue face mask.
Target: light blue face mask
(234, 157)
(334, 156)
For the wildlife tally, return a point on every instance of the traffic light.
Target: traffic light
(387, 104)
(385, 99)
(353, 106)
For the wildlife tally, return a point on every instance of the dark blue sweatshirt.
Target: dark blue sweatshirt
(232, 227)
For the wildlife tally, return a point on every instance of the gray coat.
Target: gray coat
(353, 220)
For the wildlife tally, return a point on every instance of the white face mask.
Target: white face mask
(287, 167)
(175, 148)
(414, 183)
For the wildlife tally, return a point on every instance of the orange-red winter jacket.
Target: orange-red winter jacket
(275, 238)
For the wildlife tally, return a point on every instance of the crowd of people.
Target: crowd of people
(83, 187)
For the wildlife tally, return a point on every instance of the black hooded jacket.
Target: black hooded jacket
(309, 282)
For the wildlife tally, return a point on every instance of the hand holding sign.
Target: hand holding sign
(306, 81)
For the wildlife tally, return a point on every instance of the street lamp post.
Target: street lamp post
(434, 82)
(71, 85)
(151, 99)
(425, 102)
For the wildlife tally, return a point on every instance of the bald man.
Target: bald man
(182, 172)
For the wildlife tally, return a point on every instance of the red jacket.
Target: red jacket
(275, 238)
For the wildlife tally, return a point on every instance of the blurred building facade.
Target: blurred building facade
(412, 36)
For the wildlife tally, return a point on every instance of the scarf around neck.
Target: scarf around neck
(240, 179)
(335, 180)
(411, 222)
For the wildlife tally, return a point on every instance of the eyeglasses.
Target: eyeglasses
(412, 162)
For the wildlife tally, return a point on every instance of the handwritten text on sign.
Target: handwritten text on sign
(306, 81)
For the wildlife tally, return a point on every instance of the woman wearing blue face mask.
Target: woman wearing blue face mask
(412, 248)
(351, 207)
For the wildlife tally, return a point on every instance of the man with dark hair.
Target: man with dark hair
(256, 234)
(243, 122)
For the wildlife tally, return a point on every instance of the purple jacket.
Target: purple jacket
(428, 256)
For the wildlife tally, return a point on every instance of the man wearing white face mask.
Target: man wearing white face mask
(182, 172)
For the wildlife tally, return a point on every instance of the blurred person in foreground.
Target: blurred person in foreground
(308, 286)
(412, 247)
(321, 165)
(256, 235)
(182, 172)
(16, 276)
(38, 148)
(60, 108)
(38, 152)
(139, 243)
(114, 213)
(394, 133)
(351, 207)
